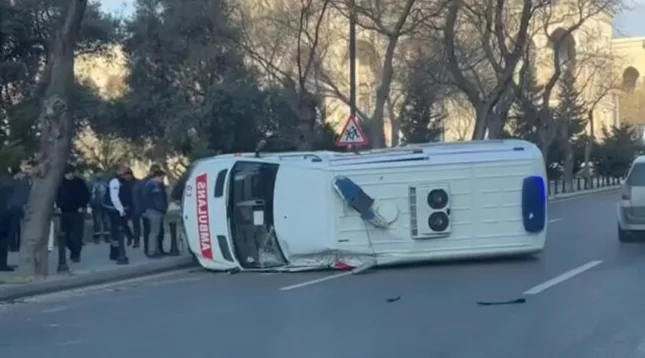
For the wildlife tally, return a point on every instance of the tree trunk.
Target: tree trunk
(56, 125)
(395, 126)
(495, 127)
(588, 146)
(587, 157)
(377, 132)
(546, 131)
(305, 130)
(479, 130)
(498, 116)
(567, 148)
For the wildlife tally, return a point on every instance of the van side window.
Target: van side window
(637, 175)
(219, 183)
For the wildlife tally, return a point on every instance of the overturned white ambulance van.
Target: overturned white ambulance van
(312, 210)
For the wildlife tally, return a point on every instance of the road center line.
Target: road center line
(318, 280)
(561, 278)
(551, 221)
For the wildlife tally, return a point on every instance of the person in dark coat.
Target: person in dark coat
(118, 204)
(137, 219)
(72, 201)
(6, 182)
(155, 204)
(139, 193)
(100, 220)
(18, 200)
(178, 190)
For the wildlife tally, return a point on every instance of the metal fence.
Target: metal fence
(559, 186)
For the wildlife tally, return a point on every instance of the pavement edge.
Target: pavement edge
(21, 291)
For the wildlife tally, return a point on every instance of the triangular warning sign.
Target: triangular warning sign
(352, 134)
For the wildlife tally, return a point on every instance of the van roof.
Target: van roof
(453, 149)
(640, 159)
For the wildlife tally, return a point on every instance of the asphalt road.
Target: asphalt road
(585, 298)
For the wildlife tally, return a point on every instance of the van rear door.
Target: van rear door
(205, 217)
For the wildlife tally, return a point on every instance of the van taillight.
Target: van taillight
(627, 193)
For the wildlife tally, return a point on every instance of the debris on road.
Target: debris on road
(511, 302)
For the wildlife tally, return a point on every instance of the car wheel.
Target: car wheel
(624, 236)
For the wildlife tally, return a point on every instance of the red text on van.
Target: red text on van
(203, 220)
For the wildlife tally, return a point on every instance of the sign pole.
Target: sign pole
(352, 66)
(352, 59)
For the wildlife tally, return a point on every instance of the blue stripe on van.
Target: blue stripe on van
(534, 201)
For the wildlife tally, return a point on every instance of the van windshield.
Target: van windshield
(250, 211)
(637, 175)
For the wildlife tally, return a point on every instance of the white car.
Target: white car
(313, 210)
(631, 207)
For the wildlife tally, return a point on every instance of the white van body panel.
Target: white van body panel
(315, 228)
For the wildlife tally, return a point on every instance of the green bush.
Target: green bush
(613, 156)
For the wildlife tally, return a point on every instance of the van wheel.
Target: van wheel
(624, 236)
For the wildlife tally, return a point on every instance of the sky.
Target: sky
(631, 22)
(628, 23)
(118, 6)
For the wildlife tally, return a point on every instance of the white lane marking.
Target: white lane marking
(318, 280)
(551, 221)
(561, 278)
(56, 309)
(69, 343)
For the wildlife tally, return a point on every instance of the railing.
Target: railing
(559, 186)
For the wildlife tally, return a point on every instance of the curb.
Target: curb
(583, 193)
(19, 291)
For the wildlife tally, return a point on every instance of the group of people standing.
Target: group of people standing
(128, 202)
(122, 207)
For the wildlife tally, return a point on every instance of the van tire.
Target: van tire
(625, 236)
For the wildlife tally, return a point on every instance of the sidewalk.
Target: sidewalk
(95, 268)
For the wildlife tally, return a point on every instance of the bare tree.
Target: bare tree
(568, 19)
(391, 21)
(497, 42)
(56, 125)
(598, 85)
(288, 42)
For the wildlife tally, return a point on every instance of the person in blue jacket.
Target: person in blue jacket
(155, 204)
